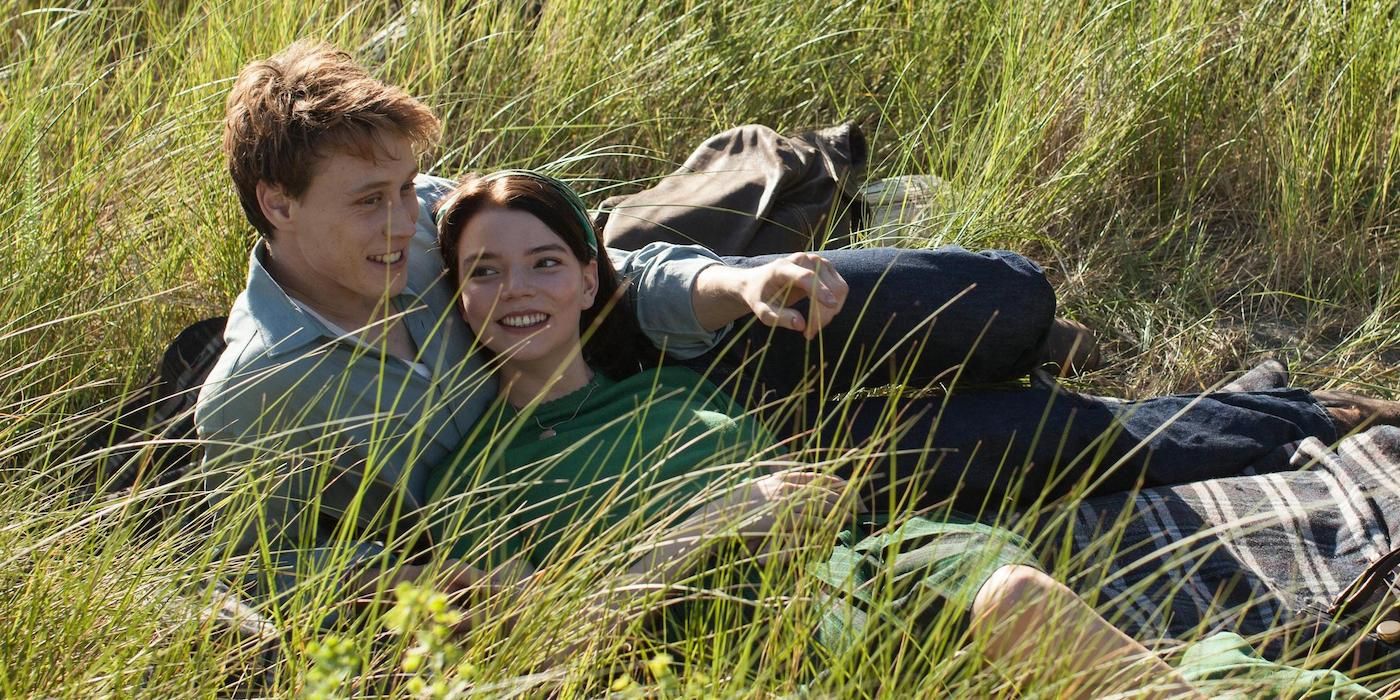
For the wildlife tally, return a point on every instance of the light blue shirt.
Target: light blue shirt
(318, 446)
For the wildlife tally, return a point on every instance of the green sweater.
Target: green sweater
(644, 453)
(607, 460)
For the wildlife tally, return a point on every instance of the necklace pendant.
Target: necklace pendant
(547, 433)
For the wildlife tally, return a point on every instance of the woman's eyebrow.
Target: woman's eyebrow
(488, 255)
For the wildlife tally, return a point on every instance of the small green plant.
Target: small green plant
(434, 663)
(335, 663)
(662, 681)
(433, 667)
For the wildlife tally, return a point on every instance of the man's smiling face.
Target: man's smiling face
(342, 247)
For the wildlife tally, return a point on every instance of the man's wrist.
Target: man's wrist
(717, 296)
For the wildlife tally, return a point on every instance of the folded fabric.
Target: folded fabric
(1224, 665)
(914, 578)
(748, 191)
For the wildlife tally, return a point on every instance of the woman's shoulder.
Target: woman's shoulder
(706, 405)
(675, 375)
(676, 383)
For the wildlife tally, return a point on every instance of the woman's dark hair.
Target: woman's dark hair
(615, 345)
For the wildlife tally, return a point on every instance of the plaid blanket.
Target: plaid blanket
(1243, 554)
(1247, 554)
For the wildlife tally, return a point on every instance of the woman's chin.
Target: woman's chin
(535, 356)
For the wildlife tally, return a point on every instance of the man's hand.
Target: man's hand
(723, 294)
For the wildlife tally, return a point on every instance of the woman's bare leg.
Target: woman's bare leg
(1030, 620)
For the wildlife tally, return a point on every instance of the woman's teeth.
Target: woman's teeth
(524, 320)
(387, 258)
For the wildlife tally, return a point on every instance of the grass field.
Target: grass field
(1207, 182)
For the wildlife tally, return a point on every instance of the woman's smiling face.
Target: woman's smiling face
(522, 288)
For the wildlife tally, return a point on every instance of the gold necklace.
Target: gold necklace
(548, 431)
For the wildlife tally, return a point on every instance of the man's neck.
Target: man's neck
(524, 384)
(373, 325)
(360, 322)
(350, 314)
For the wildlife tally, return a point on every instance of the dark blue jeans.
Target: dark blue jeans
(987, 449)
(913, 317)
(995, 451)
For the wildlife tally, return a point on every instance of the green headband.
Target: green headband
(575, 202)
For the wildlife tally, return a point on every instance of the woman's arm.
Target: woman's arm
(772, 511)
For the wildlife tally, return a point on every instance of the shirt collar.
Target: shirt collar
(282, 323)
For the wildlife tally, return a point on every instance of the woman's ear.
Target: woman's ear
(590, 283)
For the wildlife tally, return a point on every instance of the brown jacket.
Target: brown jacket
(748, 191)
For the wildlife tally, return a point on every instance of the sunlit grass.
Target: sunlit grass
(1207, 182)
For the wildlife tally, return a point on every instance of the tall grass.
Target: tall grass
(1207, 181)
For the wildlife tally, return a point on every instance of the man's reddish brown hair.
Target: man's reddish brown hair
(310, 100)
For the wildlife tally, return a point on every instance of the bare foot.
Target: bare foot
(1070, 347)
(1353, 412)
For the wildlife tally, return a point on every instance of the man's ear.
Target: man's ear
(590, 283)
(275, 205)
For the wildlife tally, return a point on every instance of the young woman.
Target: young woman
(590, 435)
